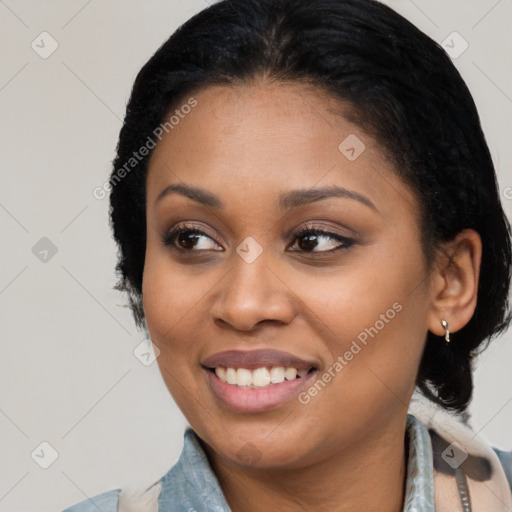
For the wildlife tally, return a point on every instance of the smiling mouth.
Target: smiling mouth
(258, 378)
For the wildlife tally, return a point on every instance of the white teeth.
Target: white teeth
(220, 371)
(230, 376)
(243, 377)
(290, 373)
(258, 378)
(277, 374)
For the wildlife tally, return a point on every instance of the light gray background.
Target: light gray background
(68, 374)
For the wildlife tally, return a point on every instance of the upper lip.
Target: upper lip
(252, 359)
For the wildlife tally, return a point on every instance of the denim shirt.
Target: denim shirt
(192, 486)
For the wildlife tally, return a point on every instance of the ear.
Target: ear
(454, 283)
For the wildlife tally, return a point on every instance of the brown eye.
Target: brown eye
(313, 238)
(187, 239)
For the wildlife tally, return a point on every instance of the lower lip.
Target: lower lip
(257, 400)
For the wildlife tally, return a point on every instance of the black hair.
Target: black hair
(402, 88)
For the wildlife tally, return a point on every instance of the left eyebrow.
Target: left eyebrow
(296, 198)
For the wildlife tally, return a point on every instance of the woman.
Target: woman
(310, 229)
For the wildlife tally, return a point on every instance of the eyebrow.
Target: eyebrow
(287, 200)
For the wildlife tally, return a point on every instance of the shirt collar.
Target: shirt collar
(192, 484)
(419, 490)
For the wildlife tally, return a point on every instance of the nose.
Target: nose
(252, 293)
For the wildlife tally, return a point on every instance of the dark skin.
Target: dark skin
(344, 450)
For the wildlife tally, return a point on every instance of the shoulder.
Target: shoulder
(177, 489)
(106, 502)
(505, 457)
(463, 461)
(190, 484)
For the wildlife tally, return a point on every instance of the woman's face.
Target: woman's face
(351, 302)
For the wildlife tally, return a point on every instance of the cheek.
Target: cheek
(373, 316)
(382, 287)
(171, 306)
(162, 305)
(166, 300)
(170, 295)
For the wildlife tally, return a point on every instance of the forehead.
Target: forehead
(285, 116)
(268, 136)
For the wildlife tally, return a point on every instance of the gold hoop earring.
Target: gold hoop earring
(444, 323)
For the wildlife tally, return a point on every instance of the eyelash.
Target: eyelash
(169, 238)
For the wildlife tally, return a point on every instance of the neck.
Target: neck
(367, 476)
